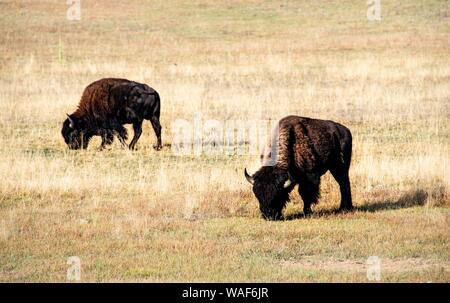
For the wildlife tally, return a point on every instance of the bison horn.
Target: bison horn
(71, 121)
(248, 177)
(288, 182)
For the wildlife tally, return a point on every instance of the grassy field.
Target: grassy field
(156, 216)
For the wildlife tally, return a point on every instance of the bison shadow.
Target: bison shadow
(408, 199)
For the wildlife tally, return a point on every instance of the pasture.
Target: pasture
(157, 216)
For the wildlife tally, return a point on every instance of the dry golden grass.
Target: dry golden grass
(155, 216)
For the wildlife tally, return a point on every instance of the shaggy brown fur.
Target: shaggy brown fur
(302, 150)
(105, 106)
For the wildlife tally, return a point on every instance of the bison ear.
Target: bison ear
(72, 123)
(248, 177)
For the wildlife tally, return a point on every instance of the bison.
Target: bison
(303, 149)
(105, 106)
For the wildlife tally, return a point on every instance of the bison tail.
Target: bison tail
(157, 108)
(344, 146)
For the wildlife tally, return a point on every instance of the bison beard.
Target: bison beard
(105, 106)
(307, 149)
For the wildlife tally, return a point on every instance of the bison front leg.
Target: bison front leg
(137, 127)
(107, 138)
(309, 190)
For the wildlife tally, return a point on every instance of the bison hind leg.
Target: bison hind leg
(121, 133)
(157, 128)
(309, 190)
(137, 127)
(342, 178)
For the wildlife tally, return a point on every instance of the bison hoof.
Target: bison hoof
(157, 147)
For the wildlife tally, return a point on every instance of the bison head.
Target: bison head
(271, 186)
(74, 133)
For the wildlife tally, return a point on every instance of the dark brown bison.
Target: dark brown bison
(302, 150)
(105, 106)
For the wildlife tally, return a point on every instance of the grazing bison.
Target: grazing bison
(303, 150)
(105, 106)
